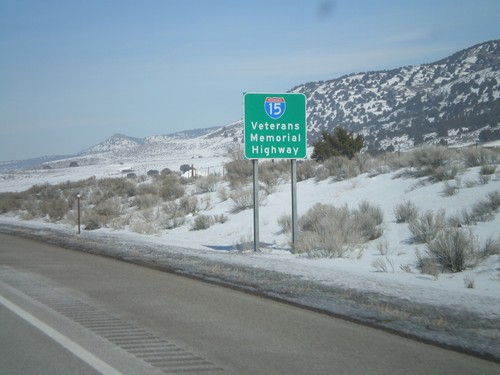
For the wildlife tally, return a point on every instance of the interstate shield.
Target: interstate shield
(275, 107)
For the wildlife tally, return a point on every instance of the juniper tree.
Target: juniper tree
(340, 143)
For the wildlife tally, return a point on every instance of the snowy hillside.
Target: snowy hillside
(379, 187)
(389, 266)
(450, 101)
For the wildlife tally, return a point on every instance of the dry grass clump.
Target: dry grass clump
(481, 211)
(202, 222)
(476, 157)
(306, 169)
(239, 173)
(207, 184)
(436, 163)
(171, 187)
(456, 249)
(427, 226)
(273, 174)
(405, 212)
(339, 168)
(243, 198)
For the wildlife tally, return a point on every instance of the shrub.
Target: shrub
(220, 218)
(427, 264)
(475, 157)
(222, 194)
(455, 221)
(171, 187)
(444, 173)
(321, 246)
(56, 209)
(143, 228)
(426, 227)
(243, 198)
(328, 231)
(306, 170)
(366, 208)
(165, 171)
(484, 179)
(148, 188)
(381, 266)
(469, 184)
(453, 249)
(207, 184)
(484, 210)
(239, 172)
(383, 247)
(469, 282)
(31, 206)
(490, 247)
(116, 187)
(10, 202)
(405, 212)
(174, 215)
(487, 170)
(285, 223)
(367, 221)
(273, 174)
(144, 201)
(450, 189)
(339, 167)
(173, 222)
(365, 162)
(429, 157)
(321, 173)
(91, 221)
(202, 222)
(435, 162)
(189, 205)
(108, 209)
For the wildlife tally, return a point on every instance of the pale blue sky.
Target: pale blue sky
(72, 73)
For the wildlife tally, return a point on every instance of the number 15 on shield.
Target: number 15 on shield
(275, 107)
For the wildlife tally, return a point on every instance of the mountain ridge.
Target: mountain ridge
(453, 101)
(403, 107)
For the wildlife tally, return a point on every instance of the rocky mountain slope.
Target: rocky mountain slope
(449, 101)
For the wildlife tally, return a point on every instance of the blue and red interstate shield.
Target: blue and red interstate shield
(275, 107)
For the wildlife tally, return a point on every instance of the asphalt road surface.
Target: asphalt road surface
(94, 314)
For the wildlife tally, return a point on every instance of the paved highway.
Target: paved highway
(108, 315)
(27, 350)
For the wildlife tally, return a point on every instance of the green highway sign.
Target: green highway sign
(275, 126)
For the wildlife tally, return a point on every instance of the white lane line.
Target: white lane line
(65, 342)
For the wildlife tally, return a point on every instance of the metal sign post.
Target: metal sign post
(295, 230)
(78, 196)
(256, 240)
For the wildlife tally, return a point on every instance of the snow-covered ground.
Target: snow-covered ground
(402, 278)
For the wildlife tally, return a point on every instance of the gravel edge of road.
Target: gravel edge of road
(454, 329)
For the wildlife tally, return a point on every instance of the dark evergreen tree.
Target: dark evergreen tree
(340, 143)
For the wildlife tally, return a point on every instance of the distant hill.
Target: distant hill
(11, 165)
(453, 101)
